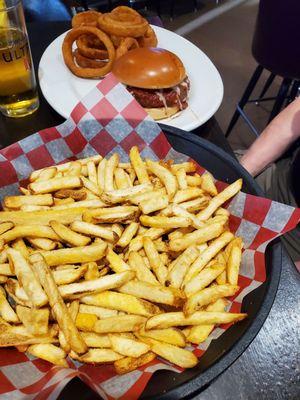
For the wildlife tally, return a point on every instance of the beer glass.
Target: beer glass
(18, 91)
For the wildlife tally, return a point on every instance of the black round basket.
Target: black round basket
(222, 352)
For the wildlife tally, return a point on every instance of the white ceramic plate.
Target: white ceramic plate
(63, 90)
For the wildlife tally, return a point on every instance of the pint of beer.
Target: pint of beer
(18, 91)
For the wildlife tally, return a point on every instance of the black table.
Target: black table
(269, 368)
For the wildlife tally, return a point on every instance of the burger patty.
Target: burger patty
(156, 98)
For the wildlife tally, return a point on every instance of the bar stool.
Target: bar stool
(275, 47)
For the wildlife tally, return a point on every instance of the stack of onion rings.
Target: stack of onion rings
(101, 38)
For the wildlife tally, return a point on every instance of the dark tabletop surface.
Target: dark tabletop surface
(270, 368)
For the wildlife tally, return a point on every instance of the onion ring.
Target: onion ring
(85, 18)
(116, 40)
(149, 39)
(126, 44)
(85, 62)
(90, 51)
(70, 38)
(134, 26)
(124, 13)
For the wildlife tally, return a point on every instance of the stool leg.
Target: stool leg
(283, 91)
(294, 91)
(249, 89)
(268, 83)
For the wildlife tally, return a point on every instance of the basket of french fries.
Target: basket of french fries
(118, 255)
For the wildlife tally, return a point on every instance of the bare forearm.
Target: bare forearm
(274, 140)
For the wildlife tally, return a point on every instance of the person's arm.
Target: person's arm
(274, 140)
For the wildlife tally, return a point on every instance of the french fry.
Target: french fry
(207, 255)
(42, 243)
(50, 353)
(101, 174)
(96, 285)
(121, 302)
(64, 167)
(128, 347)
(43, 217)
(151, 194)
(111, 165)
(6, 311)
(112, 214)
(6, 270)
(120, 323)
(20, 245)
(155, 293)
(92, 172)
(57, 304)
(24, 191)
(181, 178)
(138, 165)
(54, 184)
(66, 276)
(91, 186)
(34, 320)
(5, 226)
(17, 293)
(169, 335)
(91, 203)
(93, 339)
(142, 272)
(207, 296)
(92, 271)
(22, 231)
(233, 265)
(188, 194)
(153, 233)
(128, 364)
(122, 195)
(199, 333)
(188, 166)
(155, 203)
(168, 320)
(74, 169)
(208, 184)
(18, 335)
(89, 308)
(78, 194)
(165, 222)
(181, 357)
(220, 199)
(203, 279)
(62, 202)
(199, 236)
(27, 278)
(128, 234)
(117, 228)
(94, 230)
(99, 356)
(115, 262)
(122, 179)
(181, 265)
(182, 212)
(85, 321)
(3, 279)
(68, 235)
(16, 202)
(164, 175)
(155, 261)
(47, 174)
(75, 255)
(194, 180)
(195, 204)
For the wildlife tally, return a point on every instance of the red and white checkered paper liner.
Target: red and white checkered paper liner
(109, 120)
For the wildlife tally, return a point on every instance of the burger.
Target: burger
(156, 78)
